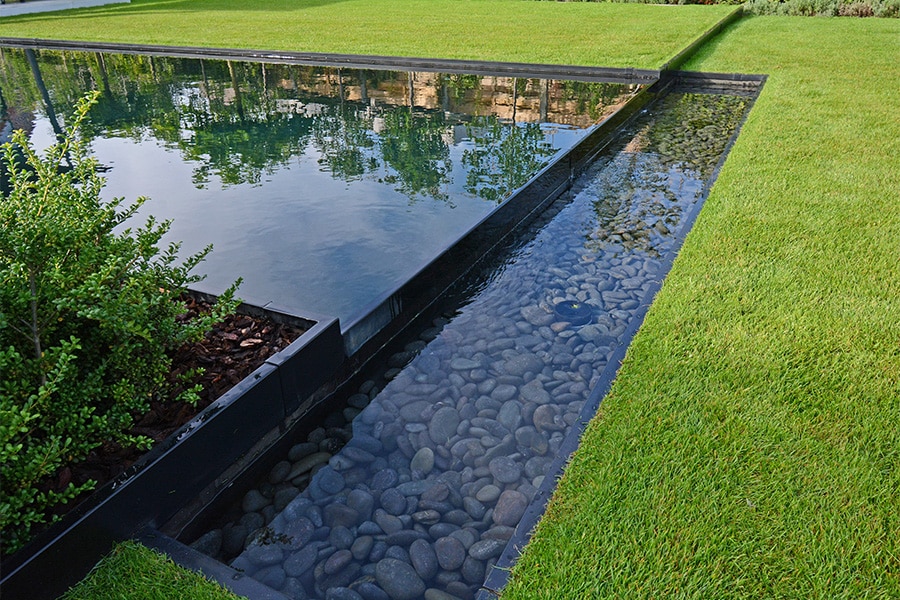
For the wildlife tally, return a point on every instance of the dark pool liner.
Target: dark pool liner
(178, 469)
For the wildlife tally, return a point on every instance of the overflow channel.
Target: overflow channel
(416, 484)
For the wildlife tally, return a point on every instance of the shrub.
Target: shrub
(87, 321)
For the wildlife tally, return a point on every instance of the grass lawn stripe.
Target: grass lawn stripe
(609, 35)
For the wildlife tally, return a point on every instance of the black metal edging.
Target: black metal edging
(498, 576)
(177, 469)
(354, 61)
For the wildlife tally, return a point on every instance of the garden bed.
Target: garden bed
(162, 481)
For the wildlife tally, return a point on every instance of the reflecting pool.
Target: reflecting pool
(324, 188)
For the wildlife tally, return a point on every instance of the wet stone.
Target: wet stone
(450, 553)
(308, 463)
(339, 515)
(488, 494)
(265, 555)
(233, 538)
(547, 418)
(500, 532)
(422, 462)
(384, 479)
(387, 522)
(436, 493)
(485, 549)
(301, 561)
(413, 488)
(279, 472)
(443, 425)
(393, 502)
(254, 501)
(405, 537)
(467, 536)
(426, 517)
(337, 561)
(361, 547)
(505, 470)
(398, 552)
(504, 392)
(341, 538)
(537, 316)
(357, 455)
(399, 580)
(462, 590)
(294, 589)
(473, 570)
(523, 363)
(510, 507)
(423, 559)
(302, 450)
(534, 392)
(463, 364)
(475, 508)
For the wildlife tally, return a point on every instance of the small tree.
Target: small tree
(87, 321)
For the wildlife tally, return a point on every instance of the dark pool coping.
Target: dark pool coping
(498, 576)
(171, 475)
(353, 61)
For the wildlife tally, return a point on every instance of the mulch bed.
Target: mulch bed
(230, 352)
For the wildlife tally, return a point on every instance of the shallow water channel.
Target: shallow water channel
(414, 489)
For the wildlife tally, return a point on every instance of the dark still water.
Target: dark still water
(323, 188)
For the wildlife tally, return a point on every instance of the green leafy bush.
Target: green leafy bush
(87, 321)
(826, 8)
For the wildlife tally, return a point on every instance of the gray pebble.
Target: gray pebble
(488, 494)
(393, 502)
(510, 507)
(254, 501)
(423, 461)
(505, 470)
(301, 561)
(450, 553)
(337, 561)
(399, 580)
(485, 549)
(423, 559)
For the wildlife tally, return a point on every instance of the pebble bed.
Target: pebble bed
(414, 490)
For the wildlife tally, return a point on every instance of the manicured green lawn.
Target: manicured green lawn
(614, 35)
(133, 572)
(750, 447)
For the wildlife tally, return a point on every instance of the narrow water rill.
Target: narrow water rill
(415, 484)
